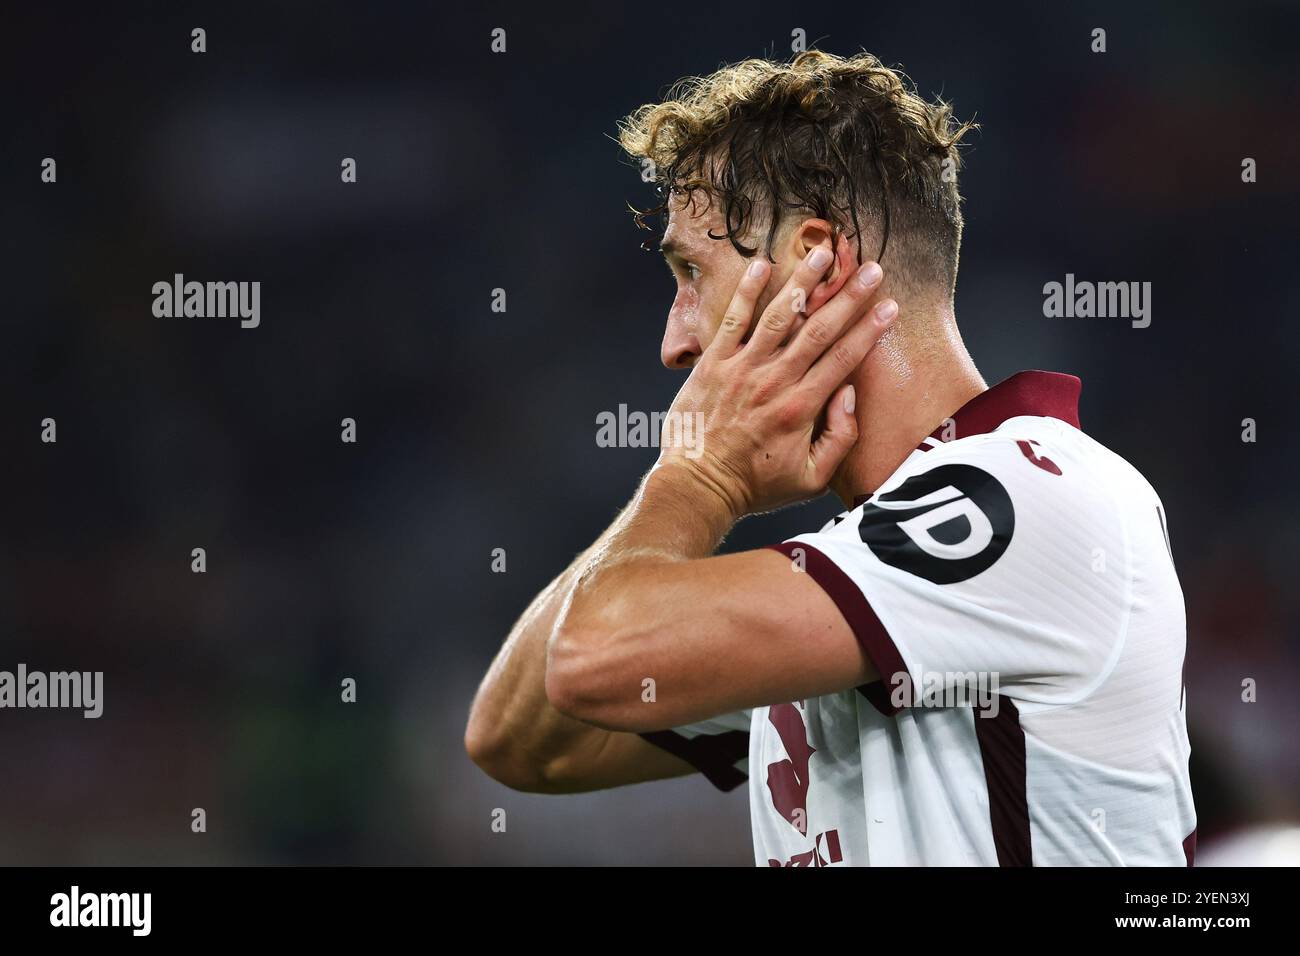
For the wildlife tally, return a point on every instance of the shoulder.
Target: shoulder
(1033, 499)
(1034, 465)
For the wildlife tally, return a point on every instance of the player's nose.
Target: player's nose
(680, 347)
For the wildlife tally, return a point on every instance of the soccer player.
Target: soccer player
(980, 660)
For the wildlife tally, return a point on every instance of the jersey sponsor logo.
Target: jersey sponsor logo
(828, 841)
(945, 525)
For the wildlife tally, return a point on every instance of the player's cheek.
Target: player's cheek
(710, 315)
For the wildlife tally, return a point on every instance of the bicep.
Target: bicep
(690, 640)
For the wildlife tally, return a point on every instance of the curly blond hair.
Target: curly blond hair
(846, 139)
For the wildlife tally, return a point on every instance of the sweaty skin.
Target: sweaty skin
(794, 400)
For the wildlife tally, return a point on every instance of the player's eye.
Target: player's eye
(683, 270)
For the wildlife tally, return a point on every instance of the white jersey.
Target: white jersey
(1012, 584)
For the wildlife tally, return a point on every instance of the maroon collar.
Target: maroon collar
(1042, 394)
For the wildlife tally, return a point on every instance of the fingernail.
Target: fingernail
(886, 311)
(756, 268)
(869, 275)
(850, 400)
(819, 258)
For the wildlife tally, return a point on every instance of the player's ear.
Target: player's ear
(813, 233)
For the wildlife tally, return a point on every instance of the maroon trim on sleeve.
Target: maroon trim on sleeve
(871, 634)
(1189, 848)
(1002, 748)
(713, 755)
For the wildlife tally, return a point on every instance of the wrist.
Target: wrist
(698, 502)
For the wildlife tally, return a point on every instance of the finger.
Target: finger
(740, 311)
(825, 326)
(774, 326)
(847, 354)
(837, 437)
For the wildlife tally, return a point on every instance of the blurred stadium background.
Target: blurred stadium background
(477, 429)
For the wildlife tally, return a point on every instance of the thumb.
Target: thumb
(837, 437)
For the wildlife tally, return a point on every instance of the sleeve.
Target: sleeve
(718, 748)
(976, 566)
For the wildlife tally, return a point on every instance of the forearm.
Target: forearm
(675, 517)
(658, 634)
(514, 732)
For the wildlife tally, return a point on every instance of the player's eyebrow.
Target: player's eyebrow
(670, 249)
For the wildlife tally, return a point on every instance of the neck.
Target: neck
(916, 376)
